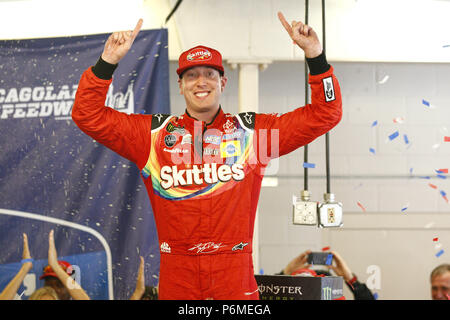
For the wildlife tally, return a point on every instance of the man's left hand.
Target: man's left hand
(302, 35)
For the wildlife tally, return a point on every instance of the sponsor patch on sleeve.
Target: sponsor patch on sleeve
(328, 89)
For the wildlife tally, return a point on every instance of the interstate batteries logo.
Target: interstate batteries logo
(55, 102)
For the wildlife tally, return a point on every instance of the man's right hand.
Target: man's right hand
(118, 44)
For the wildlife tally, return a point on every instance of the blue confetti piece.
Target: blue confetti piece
(440, 176)
(426, 177)
(394, 135)
(443, 193)
(261, 271)
(142, 111)
(404, 209)
(372, 150)
(425, 102)
(405, 137)
(439, 253)
(410, 170)
(309, 165)
(374, 123)
(375, 295)
(329, 258)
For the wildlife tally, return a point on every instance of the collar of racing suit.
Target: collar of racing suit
(216, 116)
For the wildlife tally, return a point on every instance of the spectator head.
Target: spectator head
(440, 282)
(51, 279)
(44, 293)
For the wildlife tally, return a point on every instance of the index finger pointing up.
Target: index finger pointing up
(137, 29)
(285, 24)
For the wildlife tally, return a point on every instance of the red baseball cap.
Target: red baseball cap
(48, 271)
(200, 56)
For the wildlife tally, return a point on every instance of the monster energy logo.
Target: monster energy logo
(326, 293)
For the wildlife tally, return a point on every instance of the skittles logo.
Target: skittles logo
(199, 54)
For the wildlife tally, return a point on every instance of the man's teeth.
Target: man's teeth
(201, 94)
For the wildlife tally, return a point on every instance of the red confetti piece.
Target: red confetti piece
(443, 170)
(432, 185)
(361, 206)
(446, 139)
(435, 239)
(325, 248)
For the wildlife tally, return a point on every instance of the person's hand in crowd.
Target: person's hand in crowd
(11, 289)
(26, 256)
(299, 262)
(75, 290)
(340, 267)
(119, 43)
(140, 282)
(302, 35)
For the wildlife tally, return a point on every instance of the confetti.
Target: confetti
(411, 170)
(446, 139)
(425, 177)
(372, 150)
(432, 185)
(398, 120)
(404, 209)
(429, 225)
(375, 295)
(405, 137)
(439, 253)
(309, 165)
(325, 248)
(425, 102)
(444, 195)
(394, 135)
(440, 176)
(442, 171)
(435, 239)
(436, 145)
(374, 123)
(361, 206)
(382, 81)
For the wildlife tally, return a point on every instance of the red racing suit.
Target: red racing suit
(204, 180)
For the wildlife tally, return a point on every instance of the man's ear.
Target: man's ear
(180, 85)
(223, 82)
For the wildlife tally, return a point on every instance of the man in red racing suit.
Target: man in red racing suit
(203, 169)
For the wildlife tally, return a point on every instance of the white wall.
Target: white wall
(357, 30)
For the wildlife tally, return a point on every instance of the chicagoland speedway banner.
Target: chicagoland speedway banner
(53, 176)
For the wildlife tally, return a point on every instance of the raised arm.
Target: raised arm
(11, 289)
(140, 283)
(123, 133)
(75, 290)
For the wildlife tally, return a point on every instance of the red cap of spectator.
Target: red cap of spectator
(48, 271)
(200, 56)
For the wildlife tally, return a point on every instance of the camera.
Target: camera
(320, 258)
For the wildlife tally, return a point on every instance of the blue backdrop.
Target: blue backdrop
(53, 176)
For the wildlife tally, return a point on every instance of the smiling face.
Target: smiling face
(440, 286)
(202, 87)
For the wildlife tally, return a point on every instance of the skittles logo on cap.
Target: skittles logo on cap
(199, 54)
